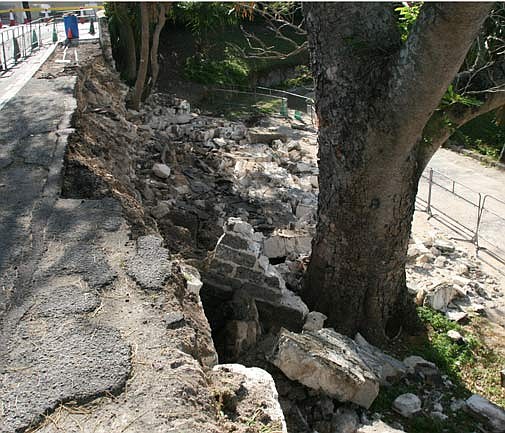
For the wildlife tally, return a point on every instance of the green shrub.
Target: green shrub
(228, 71)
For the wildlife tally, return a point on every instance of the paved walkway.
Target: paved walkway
(472, 173)
(474, 203)
(51, 266)
(13, 80)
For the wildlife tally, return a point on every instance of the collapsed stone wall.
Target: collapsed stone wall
(238, 263)
(176, 166)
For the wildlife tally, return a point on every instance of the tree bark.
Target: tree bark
(129, 53)
(368, 152)
(144, 57)
(162, 17)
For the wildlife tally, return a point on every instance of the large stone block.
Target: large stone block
(258, 394)
(239, 257)
(328, 362)
(236, 242)
(491, 414)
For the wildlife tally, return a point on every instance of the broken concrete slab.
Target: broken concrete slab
(150, 266)
(389, 370)
(327, 362)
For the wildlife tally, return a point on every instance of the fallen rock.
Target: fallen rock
(439, 415)
(444, 246)
(263, 135)
(192, 277)
(250, 393)
(161, 210)
(440, 296)
(219, 141)
(378, 427)
(161, 170)
(461, 269)
(426, 370)
(414, 361)
(424, 258)
(491, 414)
(328, 362)
(314, 321)
(455, 336)
(457, 405)
(389, 370)
(456, 316)
(345, 420)
(407, 405)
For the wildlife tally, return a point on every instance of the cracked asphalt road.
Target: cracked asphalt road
(53, 266)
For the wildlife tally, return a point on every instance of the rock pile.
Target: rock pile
(447, 279)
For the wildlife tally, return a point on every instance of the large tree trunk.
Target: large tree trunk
(128, 55)
(162, 17)
(144, 57)
(370, 152)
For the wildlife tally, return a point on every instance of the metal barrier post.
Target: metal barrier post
(430, 184)
(480, 209)
(3, 52)
(24, 42)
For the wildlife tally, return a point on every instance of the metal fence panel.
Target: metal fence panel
(492, 225)
(476, 217)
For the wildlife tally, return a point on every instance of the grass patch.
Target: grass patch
(448, 355)
(472, 367)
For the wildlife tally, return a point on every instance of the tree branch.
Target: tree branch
(430, 59)
(443, 123)
(278, 23)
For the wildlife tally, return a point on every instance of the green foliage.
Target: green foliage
(441, 350)
(228, 71)
(303, 78)
(483, 134)
(451, 97)
(203, 17)
(407, 16)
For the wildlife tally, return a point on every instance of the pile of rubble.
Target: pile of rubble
(253, 192)
(445, 278)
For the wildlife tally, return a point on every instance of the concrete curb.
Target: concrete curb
(477, 156)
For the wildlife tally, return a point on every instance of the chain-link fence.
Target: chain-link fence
(476, 217)
(281, 100)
